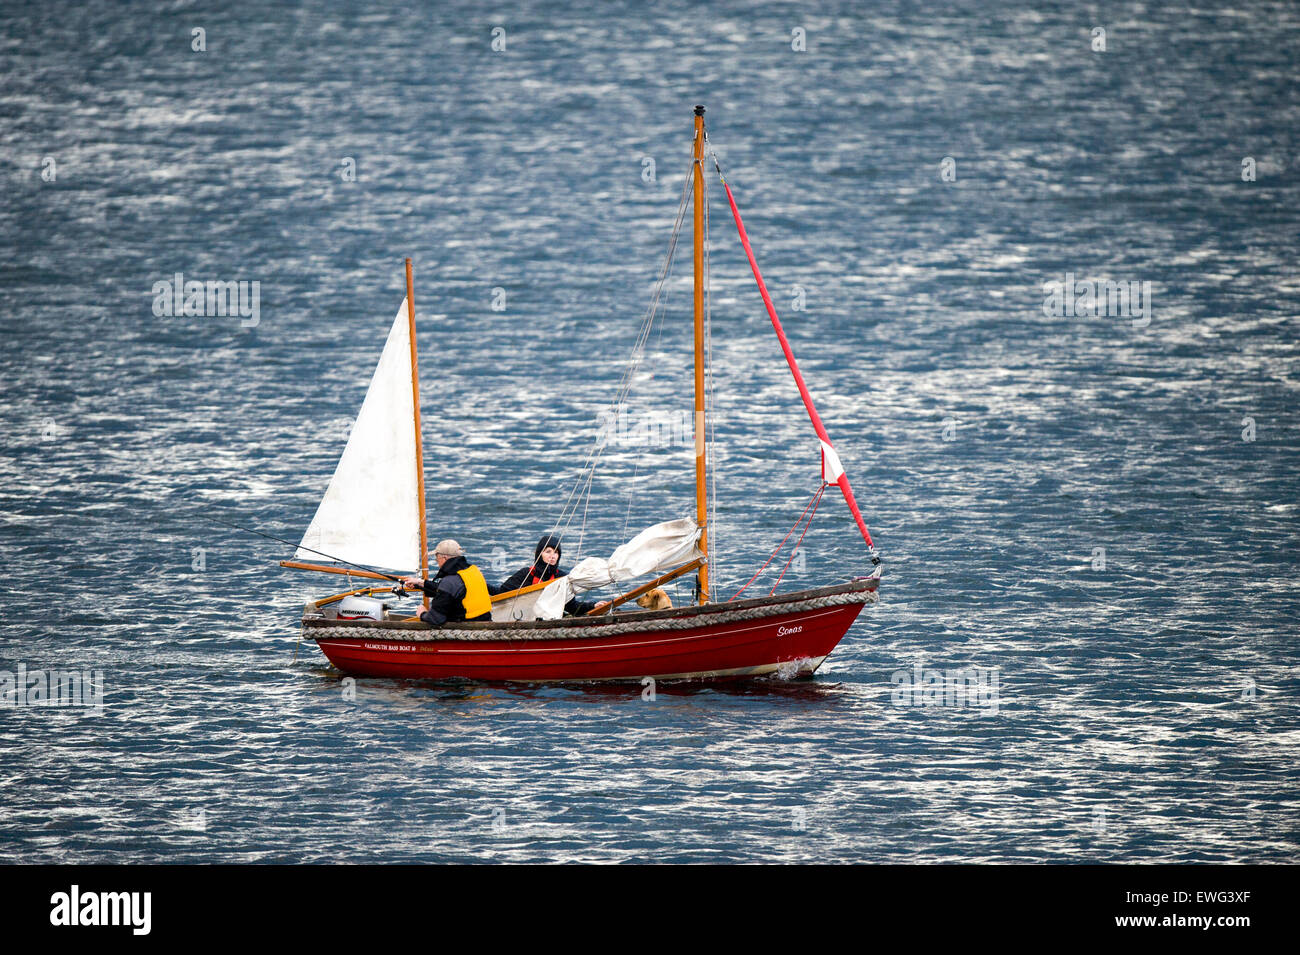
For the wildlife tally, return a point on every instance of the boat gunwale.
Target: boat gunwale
(858, 584)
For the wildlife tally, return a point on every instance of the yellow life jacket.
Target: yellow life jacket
(477, 601)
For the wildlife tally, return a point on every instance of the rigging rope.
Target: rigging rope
(715, 577)
(815, 498)
(582, 488)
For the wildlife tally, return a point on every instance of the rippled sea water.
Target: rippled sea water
(1073, 501)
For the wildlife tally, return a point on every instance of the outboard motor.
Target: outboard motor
(362, 608)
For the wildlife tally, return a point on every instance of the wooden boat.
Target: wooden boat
(789, 635)
(371, 524)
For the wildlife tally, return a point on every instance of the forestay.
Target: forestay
(656, 549)
(370, 514)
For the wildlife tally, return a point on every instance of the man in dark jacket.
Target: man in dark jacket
(546, 566)
(457, 592)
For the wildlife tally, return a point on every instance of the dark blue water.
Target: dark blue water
(1070, 500)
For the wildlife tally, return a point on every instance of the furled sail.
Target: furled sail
(370, 514)
(656, 549)
(523, 607)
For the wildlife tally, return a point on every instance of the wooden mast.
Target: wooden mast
(701, 496)
(419, 442)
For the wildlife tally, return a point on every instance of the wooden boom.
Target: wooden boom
(646, 588)
(348, 571)
(371, 575)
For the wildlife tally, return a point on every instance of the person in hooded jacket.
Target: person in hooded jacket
(457, 592)
(546, 566)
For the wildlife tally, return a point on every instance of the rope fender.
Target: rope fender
(585, 633)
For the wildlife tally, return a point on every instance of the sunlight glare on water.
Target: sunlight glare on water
(1102, 512)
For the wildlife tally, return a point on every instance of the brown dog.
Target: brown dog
(655, 600)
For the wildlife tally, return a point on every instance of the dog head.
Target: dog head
(655, 600)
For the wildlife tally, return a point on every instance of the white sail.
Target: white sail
(370, 514)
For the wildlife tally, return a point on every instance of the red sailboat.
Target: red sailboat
(373, 516)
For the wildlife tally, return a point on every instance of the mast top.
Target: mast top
(699, 110)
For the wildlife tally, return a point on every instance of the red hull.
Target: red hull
(783, 635)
